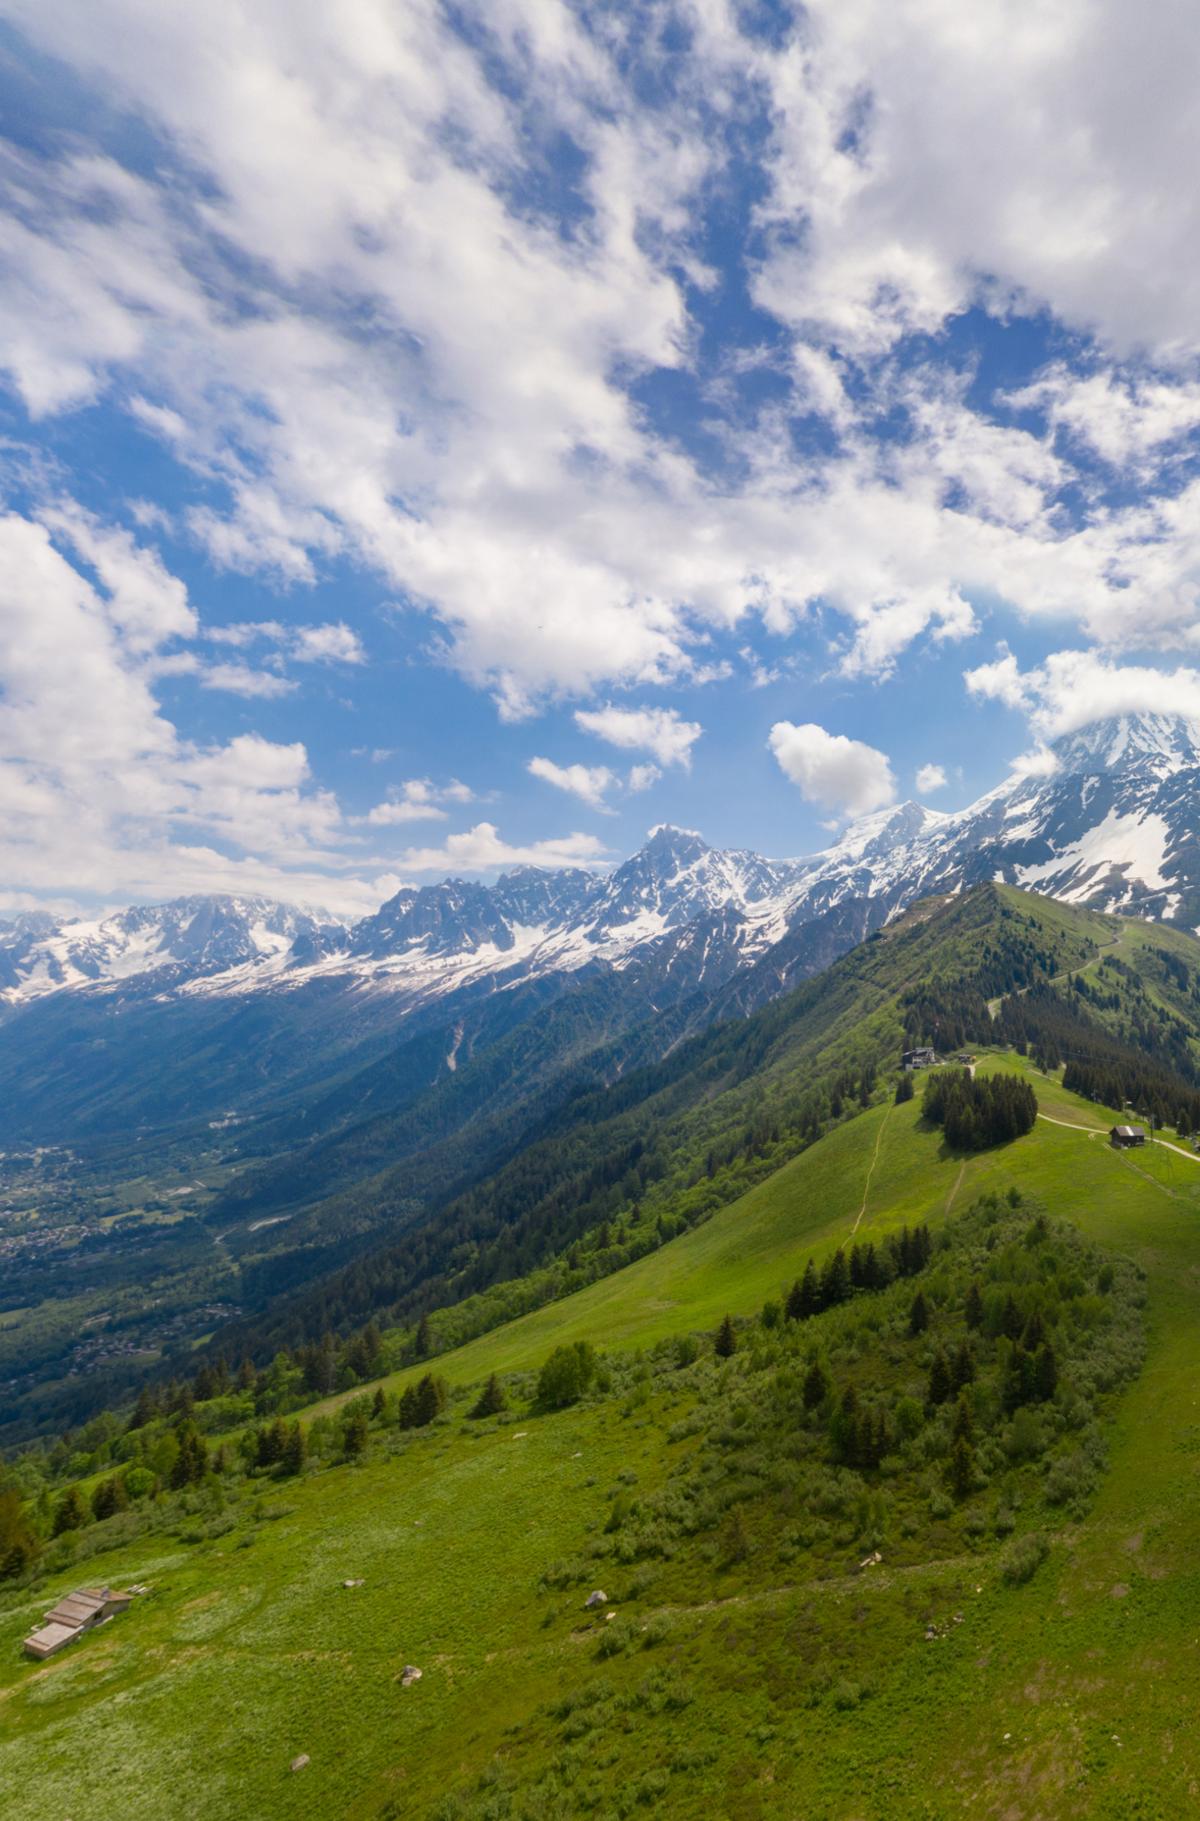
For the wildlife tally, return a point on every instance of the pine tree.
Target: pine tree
(1035, 1332)
(726, 1343)
(918, 1314)
(939, 1379)
(431, 1399)
(145, 1410)
(295, 1450)
(974, 1305)
(964, 1424)
(835, 1281)
(1010, 1319)
(407, 1415)
(109, 1498)
(904, 1088)
(423, 1340)
(72, 1513)
(816, 1385)
(491, 1400)
(355, 1435)
(962, 1468)
(963, 1369)
(378, 1403)
(1045, 1372)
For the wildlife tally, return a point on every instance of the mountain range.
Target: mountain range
(270, 1094)
(1111, 826)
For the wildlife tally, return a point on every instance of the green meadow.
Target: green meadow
(719, 1689)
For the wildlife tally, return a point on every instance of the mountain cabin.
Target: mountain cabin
(919, 1059)
(1125, 1137)
(75, 1613)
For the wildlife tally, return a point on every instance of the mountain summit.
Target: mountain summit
(1113, 826)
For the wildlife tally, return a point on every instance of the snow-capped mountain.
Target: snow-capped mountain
(1113, 825)
(165, 944)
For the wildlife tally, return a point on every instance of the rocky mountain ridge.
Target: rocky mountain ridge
(1113, 826)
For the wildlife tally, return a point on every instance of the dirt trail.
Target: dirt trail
(871, 1170)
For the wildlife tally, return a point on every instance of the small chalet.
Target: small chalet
(78, 1612)
(1125, 1137)
(919, 1059)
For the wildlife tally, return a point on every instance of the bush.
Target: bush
(1022, 1558)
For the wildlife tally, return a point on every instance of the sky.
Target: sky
(435, 438)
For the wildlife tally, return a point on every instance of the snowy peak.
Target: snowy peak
(1146, 742)
(1114, 827)
(184, 939)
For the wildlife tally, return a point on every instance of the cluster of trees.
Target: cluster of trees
(867, 1267)
(1153, 1094)
(975, 1112)
(862, 1431)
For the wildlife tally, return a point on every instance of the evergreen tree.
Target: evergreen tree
(1045, 1372)
(355, 1435)
(835, 1281)
(491, 1400)
(962, 1468)
(964, 1424)
(963, 1369)
(378, 1403)
(1010, 1319)
(109, 1498)
(71, 1513)
(431, 1399)
(1035, 1332)
(918, 1315)
(145, 1410)
(904, 1088)
(939, 1379)
(295, 1450)
(726, 1343)
(974, 1305)
(816, 1385)
(423, 1340)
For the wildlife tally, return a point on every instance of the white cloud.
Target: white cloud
(660, 731)
(481, 850)
(1070, 689)
(330, 643)
(642, 777)
(587, 782)
(416, 800)
(526, 501)
(241, 680)
(931, 777)
(832, 770)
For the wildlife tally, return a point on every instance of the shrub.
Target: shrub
(1022, 1558)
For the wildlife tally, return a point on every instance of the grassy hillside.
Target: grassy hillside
(751, 1685)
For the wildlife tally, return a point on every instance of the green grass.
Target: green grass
(780, 1700)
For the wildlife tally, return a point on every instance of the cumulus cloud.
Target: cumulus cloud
(481, 850)
(931, 777)
(832, 770)
(660, 731)
(1070, 689)
(587, 782)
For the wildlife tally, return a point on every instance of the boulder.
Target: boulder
(300, 1762)
(595, 1599)
(409, 1675)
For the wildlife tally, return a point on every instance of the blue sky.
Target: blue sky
(438, 437)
